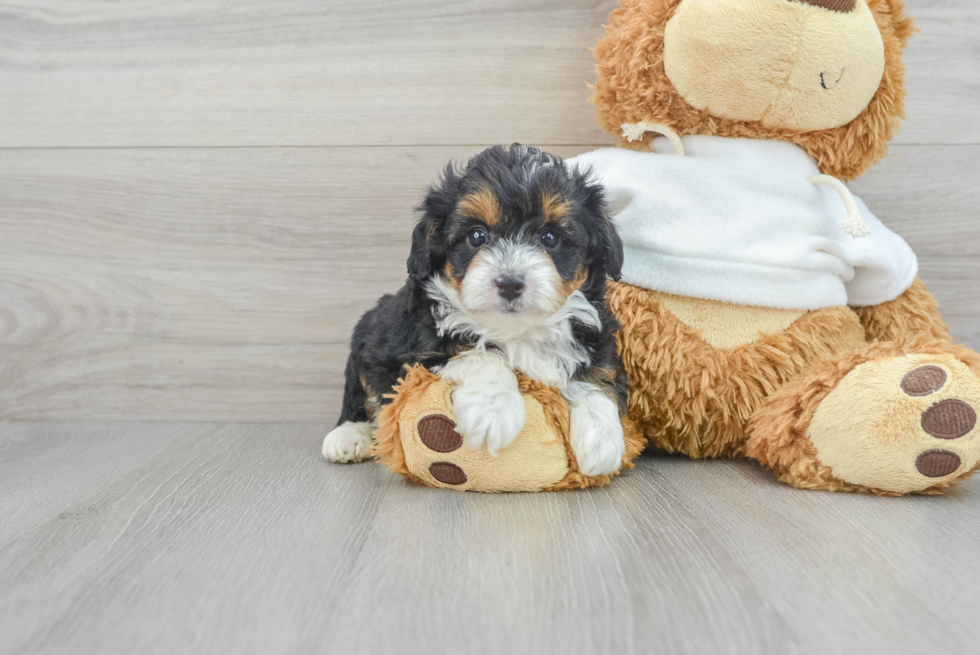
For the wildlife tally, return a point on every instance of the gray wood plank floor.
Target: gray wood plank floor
(221, 538)
(197, 200)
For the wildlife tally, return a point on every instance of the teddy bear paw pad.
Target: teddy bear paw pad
(448, 473)
(439, 433)
(937, 463)
(436, 454)
(924, 381)
(949, 419)
(901, 424)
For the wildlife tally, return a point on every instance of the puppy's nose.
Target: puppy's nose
(843, 6)
(510, 286)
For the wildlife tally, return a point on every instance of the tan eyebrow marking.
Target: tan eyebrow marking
(556, 208)
(481, 205)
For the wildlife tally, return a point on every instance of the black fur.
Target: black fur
(401, 330)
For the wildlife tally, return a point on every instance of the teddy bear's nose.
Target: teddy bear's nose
(843, 6)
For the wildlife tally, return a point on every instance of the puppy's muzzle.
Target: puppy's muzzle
(510, 287)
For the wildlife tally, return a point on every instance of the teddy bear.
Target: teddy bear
(765, 311)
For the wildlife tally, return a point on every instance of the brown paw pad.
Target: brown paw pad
(447, 473)
(937, 463)
(949, 419)
(924, 381)
(438, 433)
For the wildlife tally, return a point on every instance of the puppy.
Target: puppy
(507, 272)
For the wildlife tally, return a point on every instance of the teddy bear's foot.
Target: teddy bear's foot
(886, 423)
(435, 454)
(420, 436)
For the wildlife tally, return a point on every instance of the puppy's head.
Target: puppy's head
(515, 234)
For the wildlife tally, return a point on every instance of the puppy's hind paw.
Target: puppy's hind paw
(490, 419)
(349, 442)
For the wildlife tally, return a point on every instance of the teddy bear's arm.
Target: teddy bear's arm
(914, 313)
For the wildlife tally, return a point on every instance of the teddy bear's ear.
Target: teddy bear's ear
(428, 244)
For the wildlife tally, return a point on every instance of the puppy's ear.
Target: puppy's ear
(613, 246)
(421, 260)
(428, 239)
(605, 245)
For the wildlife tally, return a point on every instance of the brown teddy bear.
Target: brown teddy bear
(765, 311)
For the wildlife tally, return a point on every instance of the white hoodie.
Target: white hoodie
(737, 220)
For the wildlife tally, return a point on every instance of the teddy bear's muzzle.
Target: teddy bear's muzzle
(803, 65)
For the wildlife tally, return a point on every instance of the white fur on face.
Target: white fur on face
(596, 431)
(479, 294)
(349, 442)
(489, 407)
(541, 346)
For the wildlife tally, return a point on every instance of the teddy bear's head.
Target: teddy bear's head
(826, 75)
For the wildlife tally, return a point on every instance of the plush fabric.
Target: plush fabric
(632, 87)
(915, 312)
(690, 397)
(540, 459)
(809, 69)
(736, 220)
(725, 325)
(759, 399)
(868, 420)
(779, 434)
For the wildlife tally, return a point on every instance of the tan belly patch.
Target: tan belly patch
(726, 326)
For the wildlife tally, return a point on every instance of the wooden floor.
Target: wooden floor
(236, 538)
(199, 198)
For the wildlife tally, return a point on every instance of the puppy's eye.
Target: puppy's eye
(550, 239)
(477, 237)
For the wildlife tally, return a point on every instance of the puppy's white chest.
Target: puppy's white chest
(547, 352)
(549, 363)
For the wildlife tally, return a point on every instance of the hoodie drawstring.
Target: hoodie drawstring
(854, 224)
(633, 132)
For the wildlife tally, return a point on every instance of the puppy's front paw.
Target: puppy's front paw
(488, 418)
(597, 435)
(350, 442)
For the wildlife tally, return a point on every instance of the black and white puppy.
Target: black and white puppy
(507, 273)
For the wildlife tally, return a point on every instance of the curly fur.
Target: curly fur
(777, 434)
(757, 400)
(914, 312)
(692, 398)
(632, 86)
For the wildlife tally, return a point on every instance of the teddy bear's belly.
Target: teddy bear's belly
(726, 326)
(696, 397)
